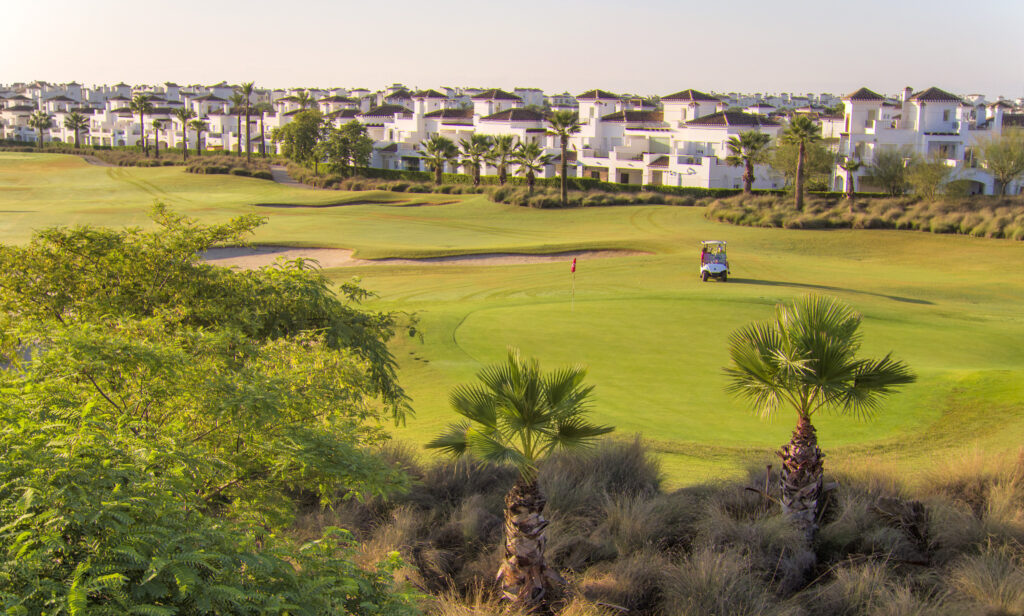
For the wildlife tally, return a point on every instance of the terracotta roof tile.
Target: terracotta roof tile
(691, 95)
(935, 95)
(864, 94)
(634, 116)
(593, 95)
(496, 94)
(516, 115)
(386, 111)
(732, 118)
(446, 114)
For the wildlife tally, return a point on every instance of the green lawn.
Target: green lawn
(652, 335)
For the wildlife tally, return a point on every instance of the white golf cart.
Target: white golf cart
(713, 262)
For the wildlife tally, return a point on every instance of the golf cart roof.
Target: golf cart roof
(712, 242)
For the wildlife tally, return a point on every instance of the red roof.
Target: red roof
(634, 116)
(691, 95)
(732, 118)
(864, 94)
(594, 95)
(516, 115)
(496, 94)
(935, 95)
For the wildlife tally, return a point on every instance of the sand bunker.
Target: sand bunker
(258, 256)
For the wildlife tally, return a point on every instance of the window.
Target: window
(945, 115)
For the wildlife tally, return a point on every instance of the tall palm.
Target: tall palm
(140, 104)
(801, 131)
(157, 127)
(474, 150)
(199, 125)
(77, 122)
(806, 358)
(502, 150)
(518, 415)
(531, 160)
(184, 114)
(564, 124)
(40, 120)
(238, 106)
(850, 165)
(246, 89)
(749, 148)
(262, 109)
(305, 99)
(437, 152)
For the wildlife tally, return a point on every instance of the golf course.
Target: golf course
(653, 337)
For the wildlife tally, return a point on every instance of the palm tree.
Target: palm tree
(184, 114)
(198, 125)
(77, 122)
(518, 415)
(564, 124)
(238, 106)
(531, 160)
(437, 152)
(502, 150)
(801, 131)
(474, 151)
(806, 358)
(140, 104)
(157, 126)
(850, 165)
(305, 99)
(247, 89)
(40, 120)
(749, 148)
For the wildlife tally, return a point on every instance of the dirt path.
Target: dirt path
(92, 160)
(258, 256)
(280, 175)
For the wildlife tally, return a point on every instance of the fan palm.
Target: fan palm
(246, 89)
(518, 415)
(806, 358)
(564, 124)
(198, 125)
(238, 107)
(184, 114)
(157, 127)
(850, 165)
(801, 131)
(305, 99)
(140, 104)
(77, 122)
(749, 148)
(531, 160)
(40, 120)
(438, 151)
(502, 150)
(474, 151)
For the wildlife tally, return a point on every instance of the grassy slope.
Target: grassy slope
(653, 336)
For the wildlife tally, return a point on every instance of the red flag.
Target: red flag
(572, 268)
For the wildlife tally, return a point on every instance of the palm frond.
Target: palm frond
(453, 441)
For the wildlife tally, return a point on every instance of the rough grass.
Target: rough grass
(978, 216)
(625, 543)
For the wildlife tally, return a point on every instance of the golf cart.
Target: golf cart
(713, 262)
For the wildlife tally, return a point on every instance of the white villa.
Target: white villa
(678, 140)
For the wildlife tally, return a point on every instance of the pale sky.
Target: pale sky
(639, 46)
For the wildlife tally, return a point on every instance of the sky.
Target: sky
(646, 47)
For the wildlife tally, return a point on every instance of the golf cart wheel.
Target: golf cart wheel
(704, 276)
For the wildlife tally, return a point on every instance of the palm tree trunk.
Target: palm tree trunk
(748, 176)
(156, 144)
(263, 137)
(800, 178)
(565, 166)
(476, 174)
(248, 157)
(40, 132)
(76, 139)
(530, 179)
(184, 142)
(142, 124)
(524, 575)
(801, 477)
(502, 175)
(438, 171)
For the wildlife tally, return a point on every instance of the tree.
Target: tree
(299, 137)
(246, 89)
(199, 125)
(305, 99)
(140, 104)
(806, 358)
(77, 122)
(531, 160)
(347, 147)
(818, 162)
(850, 165)
(184, 114)
(474, 151)
(1003, 157)
(747, 149)
(40, 120)
(437, 152)
(800, 132)
(518, 415)
(157, 127)
(503, 149)
(888, 170)
(564, 124)
(927, 177)
(238, 106)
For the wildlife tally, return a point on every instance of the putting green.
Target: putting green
(653, 337)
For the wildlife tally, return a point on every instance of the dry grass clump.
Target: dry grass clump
(233, 165)
(979, 216)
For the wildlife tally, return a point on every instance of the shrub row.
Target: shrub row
(979, 216)
(230, 165)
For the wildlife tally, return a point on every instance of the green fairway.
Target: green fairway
(652, 335)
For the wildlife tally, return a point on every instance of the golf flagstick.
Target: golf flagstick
(572, 270)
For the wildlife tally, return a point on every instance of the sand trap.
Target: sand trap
(258, 256)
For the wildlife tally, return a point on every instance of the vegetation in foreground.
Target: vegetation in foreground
(979, 216)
